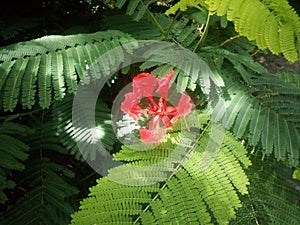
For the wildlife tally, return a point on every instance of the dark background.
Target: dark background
(24, 20)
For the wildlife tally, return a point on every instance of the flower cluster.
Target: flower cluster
(145, 85)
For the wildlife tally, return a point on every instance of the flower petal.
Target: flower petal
(171, 110)
(163, 85)
(184, 105)
(175, 118)
(167, 122)
(130, 105)
(150, 136)
(129, 101)
(144, 84)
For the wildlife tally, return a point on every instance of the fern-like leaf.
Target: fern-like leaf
(144, 29)
(188, 196)
(135, 8)
(268, 122)
(273, 197)
(47, 182)
(266, 113)
(13, 153)
(66, 131)
(55, 64)
(289, 77)
(184, 5)
(272, 24)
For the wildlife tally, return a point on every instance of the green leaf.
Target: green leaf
(54, 64)
(296, 174)
(29, 80)
(272, 24)
(13, 83)
(13, 153)
(47, 183)
(188, 195)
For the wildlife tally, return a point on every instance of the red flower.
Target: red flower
(145, 85)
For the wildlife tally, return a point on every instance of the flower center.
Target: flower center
(158, 110)
(161, 116)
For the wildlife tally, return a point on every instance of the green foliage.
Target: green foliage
(39, 152)
(66, 129)
(144, 29)
(134, 8)
(273, 197)
(181, 31)
(189, 195)
(272, 24)
(291, 78)
(183, 5)
(13, 152)
(50, 67)
(45, 183)
(267, 113)
(296, 174)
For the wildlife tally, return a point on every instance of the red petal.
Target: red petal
(167, 122)
(163, 85)
(130, 105)
(145, 134)
(129, 101)
(184, 105)
(175, 118)
(144, 84)
(171, 110)
(149, 136)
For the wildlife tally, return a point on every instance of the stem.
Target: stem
(156, 23)
(176, 42)
(86, 178)
(171, 24)
(17, 115)
(186, 123)
(41, 157)
(228, 40)
(175, 170)
(253, 211)
(204, 34)
(266, 95)
(254, 53)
